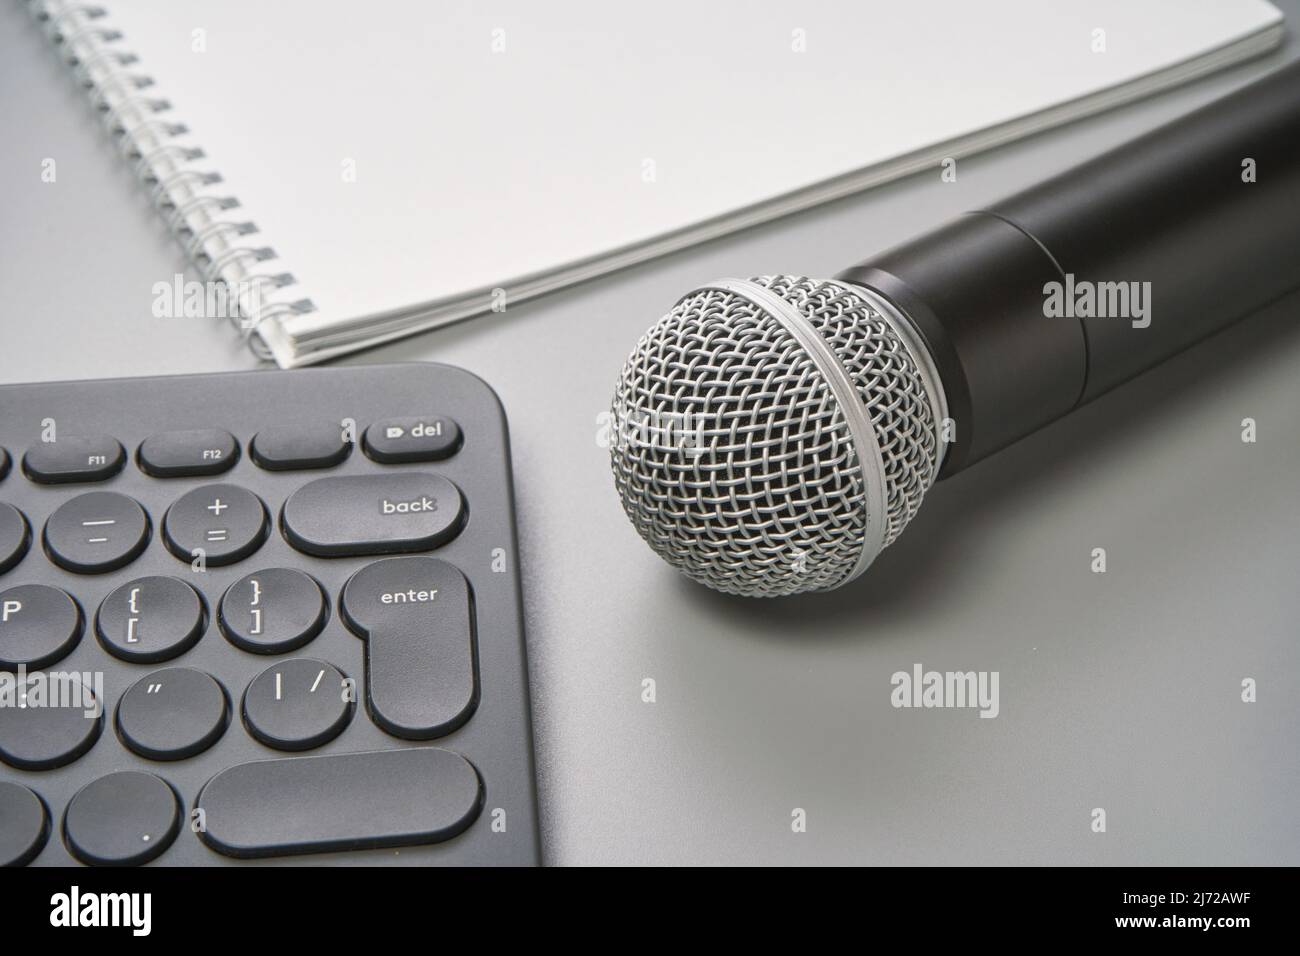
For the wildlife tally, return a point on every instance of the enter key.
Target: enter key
(416, 616)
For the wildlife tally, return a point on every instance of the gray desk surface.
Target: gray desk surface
(1118, 690)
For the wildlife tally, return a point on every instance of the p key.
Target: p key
(416, 618)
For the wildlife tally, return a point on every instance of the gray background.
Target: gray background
(1119, 690)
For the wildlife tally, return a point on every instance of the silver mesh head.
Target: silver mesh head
(771, 436)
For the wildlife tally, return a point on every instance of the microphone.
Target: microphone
(773, 435)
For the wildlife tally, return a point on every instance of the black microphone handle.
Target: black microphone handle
(1172, 208)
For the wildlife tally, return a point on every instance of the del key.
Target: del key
(416, 618)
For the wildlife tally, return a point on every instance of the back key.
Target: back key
(416, 618)
(373, 514)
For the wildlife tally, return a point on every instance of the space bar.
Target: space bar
(339, 802)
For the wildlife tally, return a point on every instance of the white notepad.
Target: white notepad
(389, 167)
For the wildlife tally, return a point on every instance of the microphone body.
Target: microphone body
(818, 413)
(1203, 213)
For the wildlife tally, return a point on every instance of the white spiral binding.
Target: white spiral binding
(171, 168)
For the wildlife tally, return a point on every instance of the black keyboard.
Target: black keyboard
(260, 615)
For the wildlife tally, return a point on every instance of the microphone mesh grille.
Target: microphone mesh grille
(731, 455)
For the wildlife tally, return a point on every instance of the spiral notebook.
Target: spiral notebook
(354, 174)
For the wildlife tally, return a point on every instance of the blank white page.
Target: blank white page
(400, 156)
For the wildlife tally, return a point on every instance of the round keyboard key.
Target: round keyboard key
(46, 722)
(15, 536)
(151, 619)
(39, 625)
(24, 825)
(225, 522)
(298, 704)
(4, 463)
(96, 532)
(173, 714)
(273, 611)
(124, 819)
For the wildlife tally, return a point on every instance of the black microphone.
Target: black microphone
(773, 435)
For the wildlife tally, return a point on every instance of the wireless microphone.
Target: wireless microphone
(772, 435)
